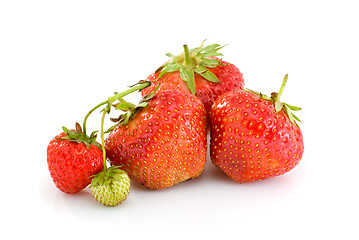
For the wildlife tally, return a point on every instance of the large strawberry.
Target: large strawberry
(72, 158)
(198, 71)
(164, 142)
(254, 137)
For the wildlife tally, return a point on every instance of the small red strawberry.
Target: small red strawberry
(198, 71)
(164, 143)
(72, 158)
(254, 137)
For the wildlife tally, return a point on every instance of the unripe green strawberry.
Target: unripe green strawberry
(110, 187)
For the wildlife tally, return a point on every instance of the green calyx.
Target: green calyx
(79, 136)
(196, 60)
(130, 109)
(107, 176)
(278, 104)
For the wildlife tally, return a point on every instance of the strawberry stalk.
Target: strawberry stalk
(137, 87)
(103, 141)
(278, 105)
(276, 96)
(186, 71)
(79, 134)
(285, 106)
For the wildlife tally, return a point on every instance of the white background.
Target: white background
(58, 59)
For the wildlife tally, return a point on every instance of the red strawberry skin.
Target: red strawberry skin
(228, 75)
(71, 164)
(250, 141)
(164, 144)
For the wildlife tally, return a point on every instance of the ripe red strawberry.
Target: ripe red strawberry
(198, 71)
(72, 158)
(254, 137)
(164, 143)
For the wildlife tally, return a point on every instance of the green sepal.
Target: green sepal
(207, 62)
(112, 127)
(210, 76)
(293, 108)
(105, 177)
(143, 83)
(143, 104)
(131, 111)
(206, 54)
(170, 55)
(78, 136)
(293, 118)
(212, 48)
(124, 106)
(196, 60)
(188, 76)
(278, 106)
(171, 67)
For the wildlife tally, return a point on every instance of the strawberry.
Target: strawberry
(198, 71)
(72, 158)
(254, 137)
(111, 186)
(163, 143)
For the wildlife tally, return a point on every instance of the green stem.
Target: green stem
(89, 113)
(110, 100)
(187, 57)
(103, 140)
(133, 89)
(276, 96)
(282, 87)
